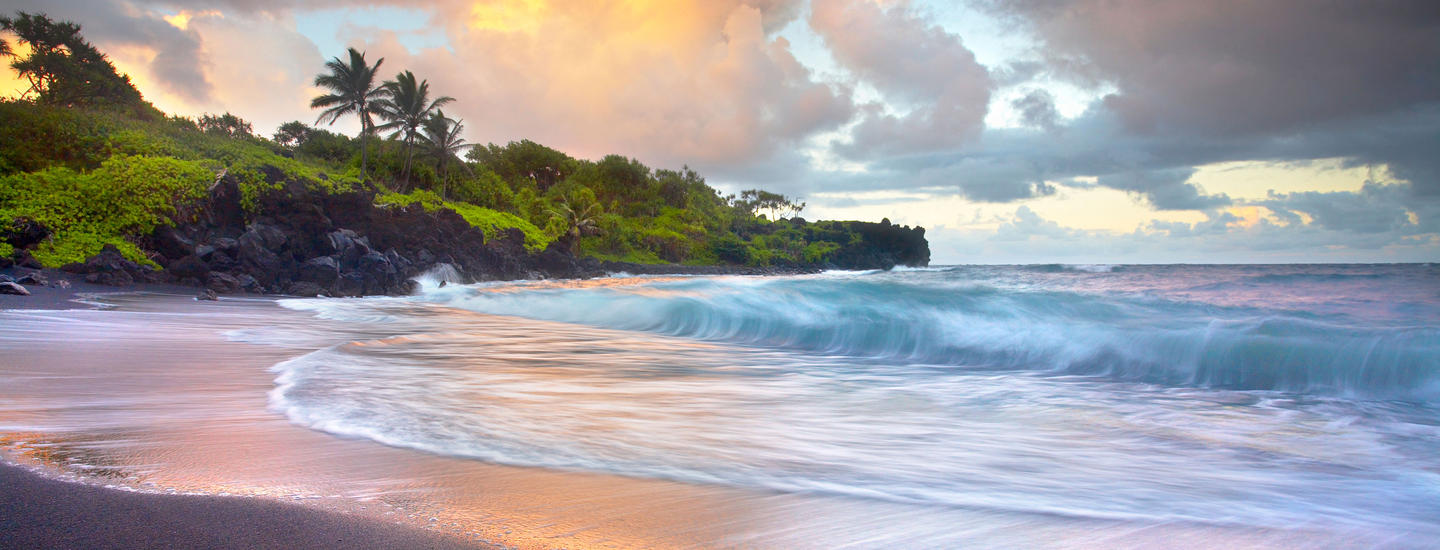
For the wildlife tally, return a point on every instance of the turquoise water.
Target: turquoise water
(1265, 396)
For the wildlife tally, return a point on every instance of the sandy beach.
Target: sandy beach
(146, 420)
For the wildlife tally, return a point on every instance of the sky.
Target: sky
(1014, 131)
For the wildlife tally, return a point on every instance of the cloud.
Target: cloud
(1165, 189)
(917, 65)
(1367, 225)
(172, 56)
(1376, 208)
(1239, 67)
(1037, 109)
(699, 83)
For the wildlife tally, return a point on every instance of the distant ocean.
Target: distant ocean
(1257, 396)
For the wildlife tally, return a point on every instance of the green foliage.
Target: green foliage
(484, 188)
(97, 165)
(6, 250)
(492, 222)
(774, 205)
(820, 251)
(81, 140)
(126, 196)
(525, 163)
(292, 134)
(352, 91)
(326, 146)
(226, 125)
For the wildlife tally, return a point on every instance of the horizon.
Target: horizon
(1015, 134)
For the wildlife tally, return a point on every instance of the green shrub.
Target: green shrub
(127, 196)
(492, 222)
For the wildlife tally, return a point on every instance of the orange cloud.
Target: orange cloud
(699, 82)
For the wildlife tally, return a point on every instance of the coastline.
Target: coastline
(77, 291)
(40, 512)
(194, 420)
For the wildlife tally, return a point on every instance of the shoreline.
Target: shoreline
(76, 289)
(37, 511)
(195, 420)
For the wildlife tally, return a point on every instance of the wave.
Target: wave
(1075, 268)
(942, 321)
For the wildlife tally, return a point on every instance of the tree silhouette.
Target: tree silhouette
(292, 134)
(352, 91)
(62, 68)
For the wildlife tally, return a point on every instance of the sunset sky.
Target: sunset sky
(1085, 131)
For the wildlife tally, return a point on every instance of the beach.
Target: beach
(156, 420)
(39, 512)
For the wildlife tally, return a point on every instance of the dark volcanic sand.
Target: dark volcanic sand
(36, 512)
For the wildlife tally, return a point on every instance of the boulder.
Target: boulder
(223, 283)
(272, 236)
(109, 267)
(188, 267)
(13, 288)
(24, 259)
(207, 294)
(35, 278)
(304, 288)
(338, 241)
(172, 244)
(110, 278)
(249, 284)
(321, 270)
(378, 273)
(350, 284)
(204, 251)
(254, 253)
(220, 261)
(226, 245)
(225, 210)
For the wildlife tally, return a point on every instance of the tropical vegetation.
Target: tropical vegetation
(82, 153)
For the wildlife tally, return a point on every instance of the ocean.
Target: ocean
(1280, 398)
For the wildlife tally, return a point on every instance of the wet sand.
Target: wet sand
(36, 512)
(151, 396)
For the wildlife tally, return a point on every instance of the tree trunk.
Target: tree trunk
(364, 152)
(444, 178)
(409, 149)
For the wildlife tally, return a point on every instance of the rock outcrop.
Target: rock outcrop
(310, 243)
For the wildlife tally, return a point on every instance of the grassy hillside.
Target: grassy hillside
(101, 166)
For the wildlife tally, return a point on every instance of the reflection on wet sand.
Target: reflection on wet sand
(150, 397)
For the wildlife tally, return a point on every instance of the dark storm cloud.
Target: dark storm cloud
(177, 64)
(1037, 110)
(1197, 83)
(1240, 67)
(1165, 189)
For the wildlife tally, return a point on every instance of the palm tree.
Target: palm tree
(578, 223)
(352, 91)
(406, 106)
(442, 137)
